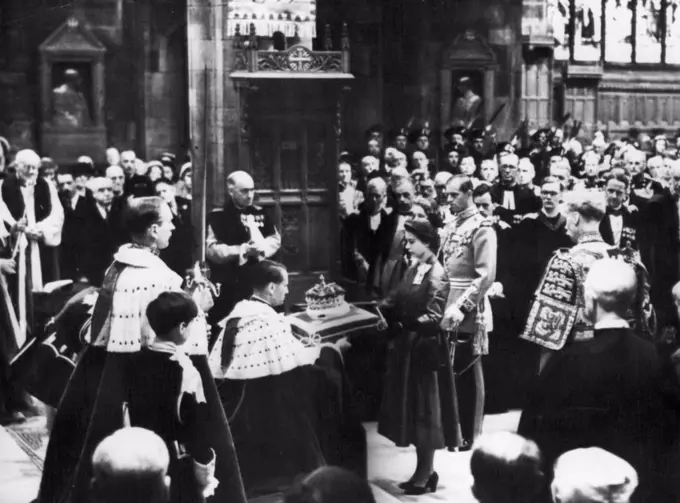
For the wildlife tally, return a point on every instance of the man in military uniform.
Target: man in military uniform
(420, 138)
(468, 252)
(239, 235)
(557, 316)
(399, 140)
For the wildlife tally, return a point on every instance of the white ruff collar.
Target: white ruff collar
(264, 344)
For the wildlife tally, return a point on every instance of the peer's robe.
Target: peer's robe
(286, 402)
(92, 405)
(612, 392)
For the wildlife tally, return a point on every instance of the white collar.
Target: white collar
(602, 325)
(139, 257)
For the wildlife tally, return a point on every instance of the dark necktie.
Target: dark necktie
(615, 213)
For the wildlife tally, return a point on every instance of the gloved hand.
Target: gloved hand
(205, 475)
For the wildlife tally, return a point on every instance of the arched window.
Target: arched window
(643, 32)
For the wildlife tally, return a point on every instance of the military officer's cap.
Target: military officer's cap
(476, 134)
(375, 131)
(455, 130)
(423, 132)
(396, 133)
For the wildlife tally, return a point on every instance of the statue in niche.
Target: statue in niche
(69, 106)
(467, 108)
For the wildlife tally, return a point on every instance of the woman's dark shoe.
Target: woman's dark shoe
(466, 446)
(430, 486)
(405, 485)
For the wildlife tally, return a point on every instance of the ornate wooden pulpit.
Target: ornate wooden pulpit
(72, 94)
(290, 136)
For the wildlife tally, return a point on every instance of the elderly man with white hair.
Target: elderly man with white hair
(593, 475)
(37, 218)
(369, 232)
(612, 391)
(558, 317)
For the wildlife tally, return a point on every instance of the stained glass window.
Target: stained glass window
(558, 13)
(619, 26)
(673, 32)
(588, 30)
(648, 31)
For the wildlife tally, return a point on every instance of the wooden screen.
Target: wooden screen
(292, 152)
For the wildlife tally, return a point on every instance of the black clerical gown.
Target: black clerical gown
(525, 200)
(612, 392)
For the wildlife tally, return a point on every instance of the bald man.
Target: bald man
(131, 466)
(239, 234)
(611, 391)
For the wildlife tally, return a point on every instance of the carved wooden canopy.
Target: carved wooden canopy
(72, 39)
(468, 50)
(296, 62)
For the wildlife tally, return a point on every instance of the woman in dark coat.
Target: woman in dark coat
(419, 406)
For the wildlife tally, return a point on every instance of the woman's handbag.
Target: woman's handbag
(429, 353)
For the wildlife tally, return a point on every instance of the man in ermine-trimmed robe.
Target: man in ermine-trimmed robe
(285, 397)
(38, 218)
(93, 404)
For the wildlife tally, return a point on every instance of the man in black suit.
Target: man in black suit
(611, 391)
(68, 249)
(619, 227)
(95, 240)
(368, 232)
(508, 193)
(178, 254)
(660, 220)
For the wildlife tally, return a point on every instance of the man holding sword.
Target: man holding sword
(468, 252)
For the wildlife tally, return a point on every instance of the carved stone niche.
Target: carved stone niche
(72, 94)
(467, 82)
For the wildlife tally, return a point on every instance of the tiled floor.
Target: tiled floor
(19, 475)
(22, 449)
(389, 465)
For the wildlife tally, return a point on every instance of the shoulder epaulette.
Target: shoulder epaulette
(258, 208)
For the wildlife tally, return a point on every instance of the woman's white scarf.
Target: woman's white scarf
(264, 344)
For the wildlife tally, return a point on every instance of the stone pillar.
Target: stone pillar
(205, 45)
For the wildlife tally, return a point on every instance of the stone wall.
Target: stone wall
(26, 24)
